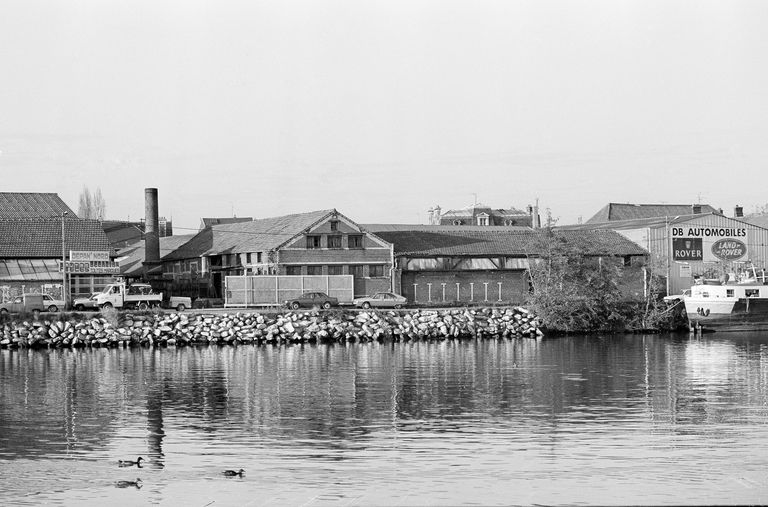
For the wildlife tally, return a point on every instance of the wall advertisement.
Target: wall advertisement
(709, 244)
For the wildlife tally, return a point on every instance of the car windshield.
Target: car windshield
(107, 289)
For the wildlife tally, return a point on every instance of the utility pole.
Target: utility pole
(63, 262)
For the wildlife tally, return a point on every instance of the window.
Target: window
(313, 242)
(335, 270)
(258, 257)
(248, 258)
(193, 267)
(357, 271)
(314, 270)
(752, 293)
(293, 270)
(729, 293)
(376, 270)
(482, 219)
(355, 241)
(334, 225)
(334, 241)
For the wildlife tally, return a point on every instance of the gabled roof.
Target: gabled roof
(41, 237)
(760, 220)
(261, 235)
(132, 257)
(624, 211)
(122, 233)
(208, 222)
(32, 205)
(504, 242)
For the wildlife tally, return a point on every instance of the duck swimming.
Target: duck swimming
(127, 484)
(129, 463)
(233, 473)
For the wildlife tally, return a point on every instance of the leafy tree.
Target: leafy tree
(91, 205)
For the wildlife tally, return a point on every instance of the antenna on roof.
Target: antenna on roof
(475, 196)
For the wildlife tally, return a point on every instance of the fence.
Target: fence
(267, 290)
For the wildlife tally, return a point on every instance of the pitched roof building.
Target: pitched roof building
(208, 222)
(624, 211)
(481, 215)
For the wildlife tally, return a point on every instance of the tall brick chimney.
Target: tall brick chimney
(151, 235)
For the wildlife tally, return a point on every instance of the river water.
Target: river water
(581, 420)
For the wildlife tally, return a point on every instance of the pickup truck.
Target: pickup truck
(139, 296)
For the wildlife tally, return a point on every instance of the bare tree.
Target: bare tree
(91, 205)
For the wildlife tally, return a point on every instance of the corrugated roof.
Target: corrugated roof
(32, 205)
(208, 222)
(132, 257)
(261, 235)
(504, 242)
(624, 211)
(376, 228)
(41, 237)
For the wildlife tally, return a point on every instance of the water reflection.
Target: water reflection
(610, 413)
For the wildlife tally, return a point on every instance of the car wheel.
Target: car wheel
(326, 305)
(53, 308)
(79, 308)
(106, 306)
(366, 305)
(143, 306)
(295, 305)
(180, 307)
(397, 307)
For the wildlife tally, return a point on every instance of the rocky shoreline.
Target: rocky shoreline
(179, 329)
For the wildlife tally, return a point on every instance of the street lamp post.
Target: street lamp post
(63, 263)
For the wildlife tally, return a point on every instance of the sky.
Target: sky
(384, 109)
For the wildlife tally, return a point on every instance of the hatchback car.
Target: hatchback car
(51, 304)
(380, 300)
(312, 299)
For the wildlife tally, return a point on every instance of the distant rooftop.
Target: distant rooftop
(208, 222)
(624, 211)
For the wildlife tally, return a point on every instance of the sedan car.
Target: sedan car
(86, 304)
(312, 299)
(51, 304)
(380, 300)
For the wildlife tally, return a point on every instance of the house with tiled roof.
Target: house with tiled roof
(479, 214)
(613, 211)
(440, 264)
(323, 242)
(32, 205)
(31, 251)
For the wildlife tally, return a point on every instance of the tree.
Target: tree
(91, 205)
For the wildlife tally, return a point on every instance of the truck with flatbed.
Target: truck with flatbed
(138, 296)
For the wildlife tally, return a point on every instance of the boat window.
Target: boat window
(705, 294)
(752, 293)
(729, 293)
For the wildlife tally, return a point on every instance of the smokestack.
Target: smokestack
(738, 211)
(151, 236)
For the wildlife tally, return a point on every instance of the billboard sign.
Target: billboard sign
(709, 244)
(88, 256)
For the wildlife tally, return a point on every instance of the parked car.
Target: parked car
(24, 303)
(312, 299)
(86, 304)
(380, 300)
(51, 304)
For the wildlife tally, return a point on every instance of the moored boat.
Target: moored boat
(728, 305)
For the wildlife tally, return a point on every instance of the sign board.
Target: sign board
(85, 255)
(709, 244)
(685, 271)
(91, 268)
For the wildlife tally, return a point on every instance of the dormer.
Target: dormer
(482, 218)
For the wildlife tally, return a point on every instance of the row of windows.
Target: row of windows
(315, 241)
(356, 270)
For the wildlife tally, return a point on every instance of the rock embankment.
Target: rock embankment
(174, 329)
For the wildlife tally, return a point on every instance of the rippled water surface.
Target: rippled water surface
(591, 420)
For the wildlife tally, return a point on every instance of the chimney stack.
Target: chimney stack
(151, 236)
(738, 211)
(696, 209)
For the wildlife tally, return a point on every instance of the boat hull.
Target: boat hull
(742, 314)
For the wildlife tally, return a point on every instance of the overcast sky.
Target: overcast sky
(384, 109)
